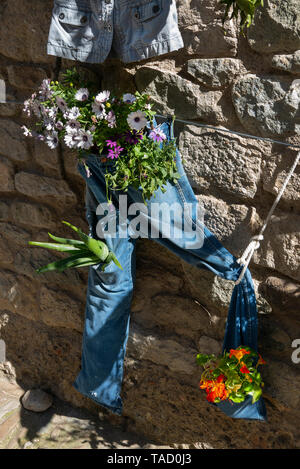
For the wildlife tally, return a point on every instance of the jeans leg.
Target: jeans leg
(107, 317)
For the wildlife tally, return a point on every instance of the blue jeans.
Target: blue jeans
(109, 293)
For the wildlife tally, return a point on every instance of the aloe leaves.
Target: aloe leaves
(83, 252)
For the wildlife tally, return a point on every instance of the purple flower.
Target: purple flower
(114, 150)
(157, 135)
(133, 137)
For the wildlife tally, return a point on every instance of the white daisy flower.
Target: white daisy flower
(49, 123)
(82, 94)
(99, 110)
(72, 126)
(84, 139)
(26, 131)
(137, 120)
(71, 140)
(52, 111)
(59, 125)
(102, 97)
(72, 113)
(52, 140)
(128, 98)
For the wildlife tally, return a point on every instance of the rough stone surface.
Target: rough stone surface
(48, 190)
(24, 37)
(36, 400)
(173, 94)
(276, 27)
(267, 105)
(12, 143)
(202, 29)
(215, 73)
(275, 171)
(213, 159)
(287, 62)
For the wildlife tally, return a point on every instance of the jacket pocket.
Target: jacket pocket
(71, 27)
(144, 12)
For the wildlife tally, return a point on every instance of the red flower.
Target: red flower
(244, 369)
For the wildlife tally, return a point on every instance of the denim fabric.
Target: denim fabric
(109, 293)
(87, 30)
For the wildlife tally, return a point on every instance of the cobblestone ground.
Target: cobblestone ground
(60, 427)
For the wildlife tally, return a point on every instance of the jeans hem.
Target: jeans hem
(114, 410)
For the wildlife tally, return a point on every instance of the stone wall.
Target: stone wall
(249, 84)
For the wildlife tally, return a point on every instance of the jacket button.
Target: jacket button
(61, 16)
(83, 19)
(137, 15)
(155, 9)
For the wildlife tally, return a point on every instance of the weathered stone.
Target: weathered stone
(25, 76)
(215, 73)
(175, 314)
(283, 294)
(213, 159)
(49, 190)
(276, 27)
(280, 248)
(209, 345)
(267, 105)
(176, 95)
(37, 216)
(24, 37)
(10, 109)
(14, 234)
(12, 143)
(6, 254)
(283, 382)
(202, 31)
(60, 310)
(18, 294)
(4, 211)
(6, 176)
(275, 170)
(36, 400)
(287, 62)
(164, 352)
(46, 158)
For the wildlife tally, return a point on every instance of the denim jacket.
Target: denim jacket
(87, 30)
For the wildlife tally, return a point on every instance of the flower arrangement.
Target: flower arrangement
(118, 128)
(232, 376)
(84, 252)
(244, 8)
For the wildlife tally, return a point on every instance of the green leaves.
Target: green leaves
(84, 252)
(148, 166)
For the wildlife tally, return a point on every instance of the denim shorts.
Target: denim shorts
(132, 30)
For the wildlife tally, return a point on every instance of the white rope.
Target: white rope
(234, 132)
(255, 240)
(254, 244)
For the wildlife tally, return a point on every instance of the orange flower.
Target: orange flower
(238, 353)
(215, 388)
(261, 361)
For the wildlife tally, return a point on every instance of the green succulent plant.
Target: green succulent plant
(84, 252)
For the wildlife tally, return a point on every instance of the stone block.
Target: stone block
(47, 190)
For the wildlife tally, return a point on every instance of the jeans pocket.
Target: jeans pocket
(71, 26)
(147, 11)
